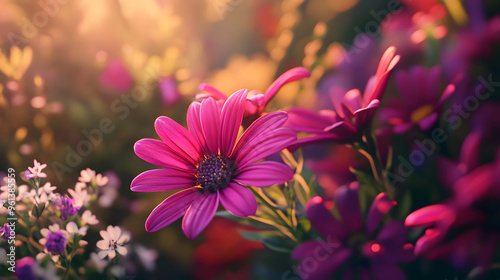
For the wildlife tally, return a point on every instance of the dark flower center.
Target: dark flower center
(214, 172)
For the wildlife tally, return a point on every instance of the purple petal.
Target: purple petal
(303, 120)
(393, 234)
(347, 203)
(231, 117)
(262, 125)
(238, 200)
(177, 138)
(427, 122)
(158, 153)
(210, 123)
(264, 174)
(323, 266)
(194, 124)
(387, 271)
(171, 209)
(320, 138)
(199, 215)
(380, 206)
(263, 145)
(323, 221)
(289, 76)
(162, 180)
(305, 249)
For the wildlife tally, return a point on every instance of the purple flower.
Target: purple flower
(420, 101)
(210, 164)
(256, 101)
(55, 242)
(25, 269)
(464, 229)
(352, 112)
(66, 206)
(352, 243)
(5, 231)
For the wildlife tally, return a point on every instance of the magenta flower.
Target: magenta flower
(5, 231)
(25, 269)
(170, 94)
(352, 112)
(256, 101)
(116, 77)
(352, 243)
(210, 164)
(420, 102)
(464, 229)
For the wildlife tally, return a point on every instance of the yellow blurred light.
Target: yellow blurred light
(47, 138)
(2, 99)
(312, 47)
(39, 121)
(21, 133)
(288, 20)
(320, 28)
(457, 11)
(38, 81)
(182, 74)
(277, 53)
(342, 6)
(285, 38)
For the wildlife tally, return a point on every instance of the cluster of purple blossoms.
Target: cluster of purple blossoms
(65, 206)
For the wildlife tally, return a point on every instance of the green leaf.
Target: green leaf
(279, 243)
(257, 235)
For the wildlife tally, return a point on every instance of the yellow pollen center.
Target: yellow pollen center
(421, 113)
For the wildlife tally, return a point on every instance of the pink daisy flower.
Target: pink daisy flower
(210, 164)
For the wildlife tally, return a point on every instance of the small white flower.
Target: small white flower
(112, 242)
(88, 218)
(73, 231)
(80, 195)
(88, 175)
(99, 263)
(147, 257)
(36, 170)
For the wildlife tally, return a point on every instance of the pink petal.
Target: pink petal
(238, 200)
(172, 209)
(215, 93)
(199, 215)
(303, 120)
(342, 129)
(264, 145)
(289, 76)
(305, 249)
(428, 215)
(177, 138)
(380, 206)
(364, 115)
(158, 153)
(210, 123)
(162, 180)
(231, 117)
(320, 138)
(264, 174)
(262, 125)
(194, 124)
(326, 264)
